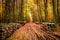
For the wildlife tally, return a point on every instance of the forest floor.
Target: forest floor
(32, 31)
(57, 32)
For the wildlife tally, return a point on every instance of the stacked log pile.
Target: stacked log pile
(32, 31)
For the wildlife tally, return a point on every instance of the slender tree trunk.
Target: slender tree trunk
(7, 11)
(12, 17)
(46, 14)
(54, 10)
(58, 11)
